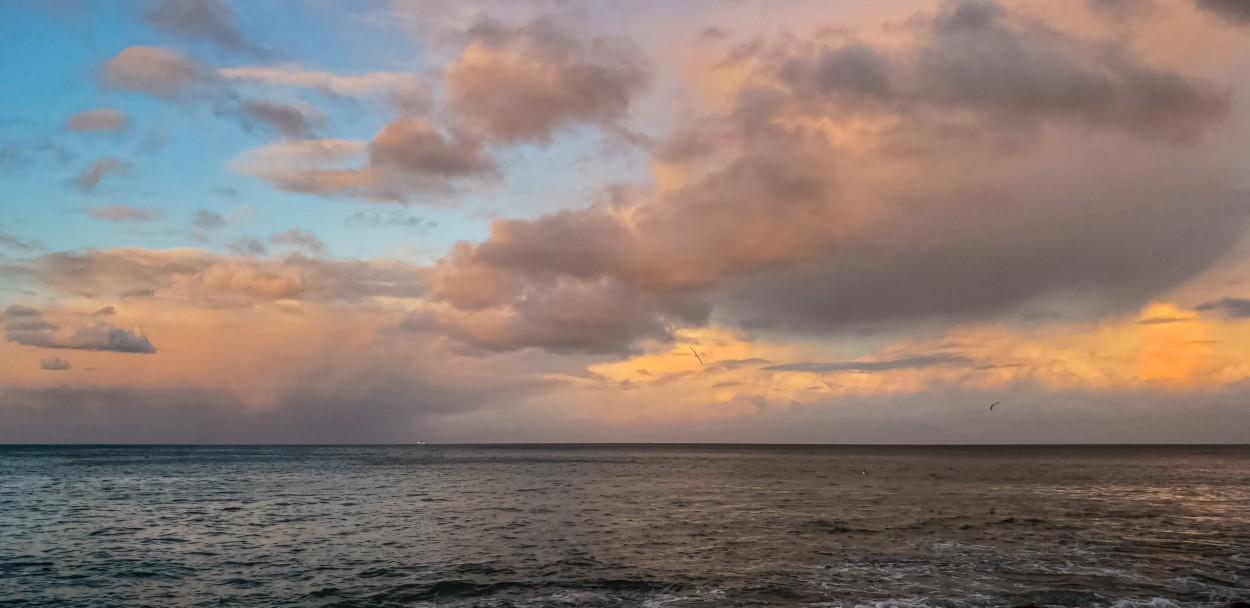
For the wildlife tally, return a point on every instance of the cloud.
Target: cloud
(208, 20)
(146, 292)
(406, 157)
(299, 239)
(28, 326)
(868, 367)
(155, 71)
(246, 246)
(524, 83)
(1163, 320)
(207, 220)
(1233, 307)
(595, 317)
(413, 147)
(203, 279)
(92, 174)
(125, 213)
(1234, 12)
(400, 84)
(298, 121)
(15, 156)
(13, 242)
(54, 364)
(766, 228)
(373, 218)
(99, 119)
(776, 205)
(1008, 72)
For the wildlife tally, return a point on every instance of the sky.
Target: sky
(859, 221)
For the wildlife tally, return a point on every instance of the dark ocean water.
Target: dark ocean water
(624, 526)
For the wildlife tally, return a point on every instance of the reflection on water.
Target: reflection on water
(623, 526)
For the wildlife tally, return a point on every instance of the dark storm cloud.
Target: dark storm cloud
(1236, 12)
(1233, 307)
(868, 367)
(209, 20)
(28, 326)
(94, 173)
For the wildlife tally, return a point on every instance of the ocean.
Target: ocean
(624, 525)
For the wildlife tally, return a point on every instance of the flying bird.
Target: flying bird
(696, 355)
(994, 404)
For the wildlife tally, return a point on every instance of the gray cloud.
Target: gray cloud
(94, 173)
(1233, 307)
(524, 83)
(13, 242)
(147, 292)
(246, 246)
(1235, 12)
(868, 367)
(300, 239)
(373, 218)
(778, 241)
(1163, 320)
(207, 220)
(125, 213)
(408, 156)
(411, 145)
(54, 364)
(212, 281)
(779, 196)
(99, 119)
(209, 20)
(1011, 72)
(292, 121)
(596, 317)
(28, 326)
(155, 71)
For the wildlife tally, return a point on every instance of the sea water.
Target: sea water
(624, 525)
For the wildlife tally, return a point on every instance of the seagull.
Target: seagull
(696, 356)
(994, 404)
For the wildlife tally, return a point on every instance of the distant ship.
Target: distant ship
(420, 443)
